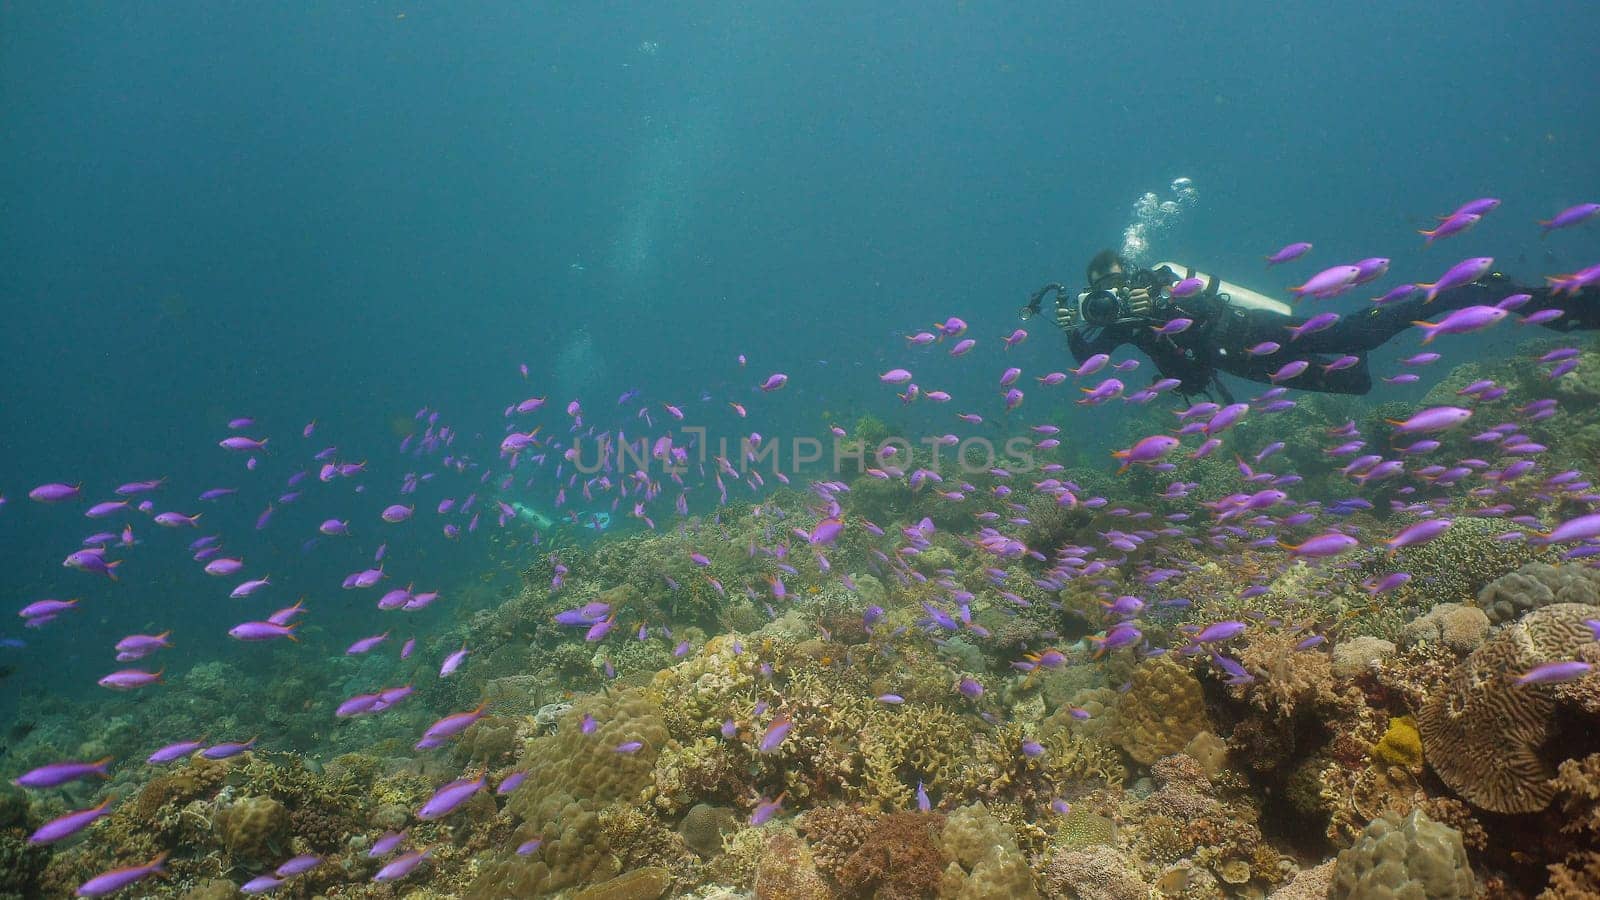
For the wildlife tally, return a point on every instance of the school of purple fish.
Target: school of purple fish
(649, 481)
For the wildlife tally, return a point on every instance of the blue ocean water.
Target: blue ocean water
(346, 213)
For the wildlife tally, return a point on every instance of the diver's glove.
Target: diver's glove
(1065, 320)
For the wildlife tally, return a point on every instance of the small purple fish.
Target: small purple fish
(1572, 215)
(1555, 672)
(775, 734)
(108, 883)
(70, 824)
(1288, 252)
(402, 866)
(450, 797)
(228, 749)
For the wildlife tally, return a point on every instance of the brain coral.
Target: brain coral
(572, 776)
(1482, 732)
(1414, 858)
(1538, 584)
(1161, 712)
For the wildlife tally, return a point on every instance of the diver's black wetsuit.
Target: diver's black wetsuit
(1221, 332)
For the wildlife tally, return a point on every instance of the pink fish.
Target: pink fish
(1572, 215)
(1146, 450)
(1462, 321)
(1464, 272)
(1288, 252)
(1433, 419)
(107, 883)
(1556, 672)
(131, 679)
(1331, 543)
(366, 644)
(449, 798)
(1455, 224)
(70, 824)
(1327, 284)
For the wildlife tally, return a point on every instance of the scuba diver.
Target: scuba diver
(1125, 304)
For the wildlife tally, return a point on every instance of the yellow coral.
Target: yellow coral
(1401, 745)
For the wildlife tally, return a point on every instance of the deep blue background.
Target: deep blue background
(347, 211)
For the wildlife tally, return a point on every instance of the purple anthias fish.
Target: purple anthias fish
(1418, 533)
(450, 797)
(55, 492)
(262, 884)
(70, 824)
(250, 587)
(262, 631)
(366, 644)
(455, 723)
(1328, 283)
(108, 883)
(1464, 272)
(1331, 543)
(228, 749)
(386, 844)
(1218, 632)
(1288, 252)
(401, 866)
(173, 752)
(1556, 672)
(1581, 528)
(775, 734)
(130, 679)
(453, 662)
(1572, 215)
(1462, 321)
